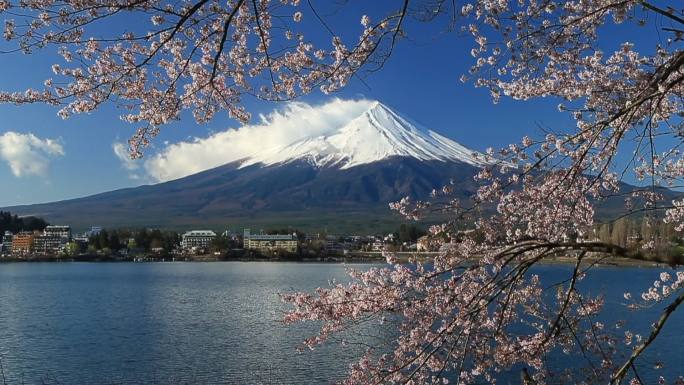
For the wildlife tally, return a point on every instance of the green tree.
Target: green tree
(72, 249)
(220, 243)
(647, 231)
(409, 233)
(142, 239)
(604, 233)
(15, 224)
(114, 242)
(620, 232)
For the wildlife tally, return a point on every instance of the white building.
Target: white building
(63, 232)
(270, 243)
(197, 239)
(48, 243)
(94, 230)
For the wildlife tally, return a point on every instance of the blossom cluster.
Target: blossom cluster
(662, 288)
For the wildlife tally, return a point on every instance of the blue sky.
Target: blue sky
(420, 81)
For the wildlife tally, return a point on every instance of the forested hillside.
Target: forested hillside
(15, 223)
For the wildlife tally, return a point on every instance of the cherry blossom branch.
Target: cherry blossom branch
(657, 327)
(662, 12)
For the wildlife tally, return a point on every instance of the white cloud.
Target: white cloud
(121, 152)
(28, 154)
(295, 121)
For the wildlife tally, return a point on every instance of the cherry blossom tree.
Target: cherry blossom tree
(477, 309)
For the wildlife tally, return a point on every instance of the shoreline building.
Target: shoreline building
(94, 230)
(6, 246)
(270, 243)
(47, 244)
(197, 239)
(22, 243)
(53, 240)
(427, 244)
(58, 232)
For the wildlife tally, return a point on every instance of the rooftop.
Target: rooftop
(269, 237)
(200, 233)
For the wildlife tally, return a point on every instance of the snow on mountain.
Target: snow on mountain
(377, 134)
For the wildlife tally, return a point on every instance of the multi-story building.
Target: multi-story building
(270, 243)
(197, 239)
(6, 246)
(332, 243)
(22, 243)
(94, 230)
(58, 231)
(52, 240)
(81, 238)
(48, 243)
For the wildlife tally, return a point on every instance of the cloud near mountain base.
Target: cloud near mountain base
(294, 122)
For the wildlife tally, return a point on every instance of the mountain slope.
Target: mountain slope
(341, 180)
(377, 134)
(270, 195)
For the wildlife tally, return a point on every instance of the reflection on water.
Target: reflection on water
(197, 322)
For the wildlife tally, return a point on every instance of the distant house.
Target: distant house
(378, 245)
(197, 240)
(94, 230)
(270, 242)
(425, 243)
(332, 243)
(81, 239)
(229, 234)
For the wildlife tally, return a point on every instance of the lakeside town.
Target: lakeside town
(98, 244)
(59, 242)
(33, 239)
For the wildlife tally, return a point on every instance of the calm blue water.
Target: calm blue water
(161, 323)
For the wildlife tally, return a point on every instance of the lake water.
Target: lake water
(205, 323)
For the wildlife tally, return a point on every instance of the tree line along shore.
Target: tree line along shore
(657, 244)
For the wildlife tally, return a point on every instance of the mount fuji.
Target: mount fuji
(342, 180)
(377, 134)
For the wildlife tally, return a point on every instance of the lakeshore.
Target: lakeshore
(349, 258)
(56, 243)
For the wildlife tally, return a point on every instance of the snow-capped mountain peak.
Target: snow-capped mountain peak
(376, 134)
